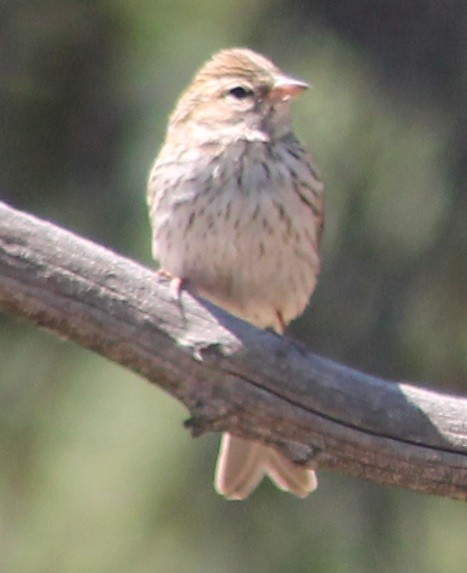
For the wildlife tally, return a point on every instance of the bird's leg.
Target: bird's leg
(177, 284)
(281, 325)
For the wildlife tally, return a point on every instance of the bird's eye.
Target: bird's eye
(239, 92)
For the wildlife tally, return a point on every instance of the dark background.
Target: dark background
(96, 472)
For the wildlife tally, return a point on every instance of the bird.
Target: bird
(236, 209)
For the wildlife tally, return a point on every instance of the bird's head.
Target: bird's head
(237, 94)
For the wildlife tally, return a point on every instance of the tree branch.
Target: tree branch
(230, 375)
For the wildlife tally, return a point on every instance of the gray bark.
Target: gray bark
(230, 375)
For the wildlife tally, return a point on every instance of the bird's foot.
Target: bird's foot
(177, 285)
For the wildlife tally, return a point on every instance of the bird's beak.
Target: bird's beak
(286, 88)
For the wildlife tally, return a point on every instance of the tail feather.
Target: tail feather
(242, 464)
(289, 476)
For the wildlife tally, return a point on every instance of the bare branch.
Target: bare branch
(230, 375)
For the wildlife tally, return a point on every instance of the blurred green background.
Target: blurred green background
(96, 472)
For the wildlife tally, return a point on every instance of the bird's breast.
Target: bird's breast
(233, 223)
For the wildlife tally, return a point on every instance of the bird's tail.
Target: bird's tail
(242, 464)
